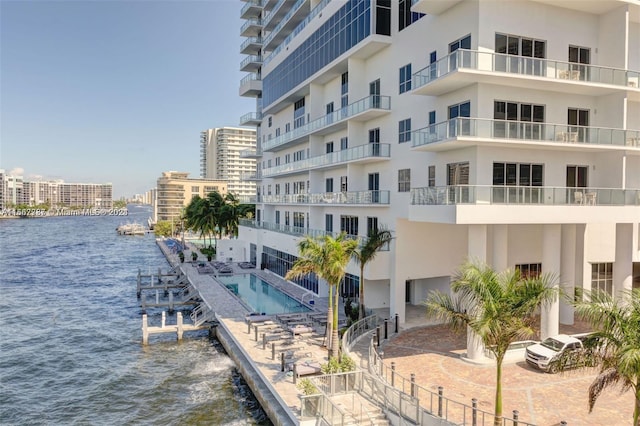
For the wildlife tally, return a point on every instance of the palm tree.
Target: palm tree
(377, 239)
(614, 347)
(229, 214)
(327, 258)
(498, 307)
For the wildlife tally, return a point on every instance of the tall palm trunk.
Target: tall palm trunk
(361, 293)
(335, 342)
(636, 412)
(497, 421)
(330, 319)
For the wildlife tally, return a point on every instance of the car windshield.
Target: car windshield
(552, 344)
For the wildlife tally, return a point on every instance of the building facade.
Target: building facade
(175, 190)
(56, 193)
(229, 154)
(505, 132)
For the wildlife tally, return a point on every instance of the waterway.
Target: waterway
(70, 335)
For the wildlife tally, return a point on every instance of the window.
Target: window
(287, 188)
(372, 226)
(529, 116)
(404, 180)
(578, 120)
(529, 270)
(298, 155)
(329, 147)
(286, 218)
(298, 113)
(405, 16)
(328, 185)
(269, 121)
(277, 132)
(579, 58)
(520, 54)
(602, 277)
(405, 78)
(344, 90)
(277, 217)
(432, 118)
(277, 161)
(277, 188)
(459, 126)
(328, 222)
(432, 175)
(344, 143)
(517, 183)
(349, 225)
(329, 107)
(287, 158)
(383, 17)
(268, 189)
(404, 130)
(343, 183)
(350, 286)
(195, 189)
(287, 127)
(298, 219)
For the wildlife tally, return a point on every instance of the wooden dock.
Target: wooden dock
(180, 328)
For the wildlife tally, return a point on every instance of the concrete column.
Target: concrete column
(397, 275)
(567, 272)
(551, 244)
(477, 249)
(623, 266)
(500, 248)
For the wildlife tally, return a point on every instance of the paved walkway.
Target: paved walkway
(433, 355)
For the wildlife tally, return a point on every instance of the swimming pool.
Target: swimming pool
(260, 295)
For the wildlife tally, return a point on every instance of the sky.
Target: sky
(98, 91)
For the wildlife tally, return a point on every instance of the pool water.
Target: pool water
(260, 295)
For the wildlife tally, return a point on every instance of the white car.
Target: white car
(541, 354)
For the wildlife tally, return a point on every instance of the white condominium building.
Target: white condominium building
(229, 153)
(500, 131)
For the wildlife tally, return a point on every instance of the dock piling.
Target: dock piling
(180, 328)
(145, 330)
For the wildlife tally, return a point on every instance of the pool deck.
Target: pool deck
(275, 390)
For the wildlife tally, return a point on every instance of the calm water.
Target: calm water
(261, 296)
(70, 351)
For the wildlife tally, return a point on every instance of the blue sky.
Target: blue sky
(116, 91)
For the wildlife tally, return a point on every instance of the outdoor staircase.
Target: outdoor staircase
(201, 314)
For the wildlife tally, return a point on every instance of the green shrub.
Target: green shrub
(339, 365)
(307, 387)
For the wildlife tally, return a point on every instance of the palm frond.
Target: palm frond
(605, 379)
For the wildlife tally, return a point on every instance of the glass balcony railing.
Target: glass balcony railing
(249, 5)
(350, 197)
(517, 195)
(371, 150)
(300, 231)
(249, 78)
(251, 59)
(250, 23)
(249, 41)
(251, 117)
(369, 103)
(267, 19)
(524, 130)
(536, 67)
(316, 10)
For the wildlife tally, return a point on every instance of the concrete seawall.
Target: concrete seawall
(279, 412)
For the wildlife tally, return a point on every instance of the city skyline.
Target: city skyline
(115, 91)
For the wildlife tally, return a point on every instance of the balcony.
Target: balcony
(365, 109)
(254, 176)
(599, 7)
(465, 67)
(251, 9)
(480, 204)
(251, 63)
(251, 119)
(461, 132)
(433, 7)
(250, 153)
(251, 28)
(251, 46)
(368, 153)
(274, 16)
(287, 20)
(251, 85)
(295, 230)
(368, 198)
(284, 25)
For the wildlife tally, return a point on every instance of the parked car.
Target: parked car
(542, 354)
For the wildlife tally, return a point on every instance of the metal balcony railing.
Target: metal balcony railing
(537, 67)
(370, 150)
(369, 103)
(526, 131)
(518, 195)
(249, 41)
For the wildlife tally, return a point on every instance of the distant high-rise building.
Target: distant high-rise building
(175, 190)
(229, 153)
